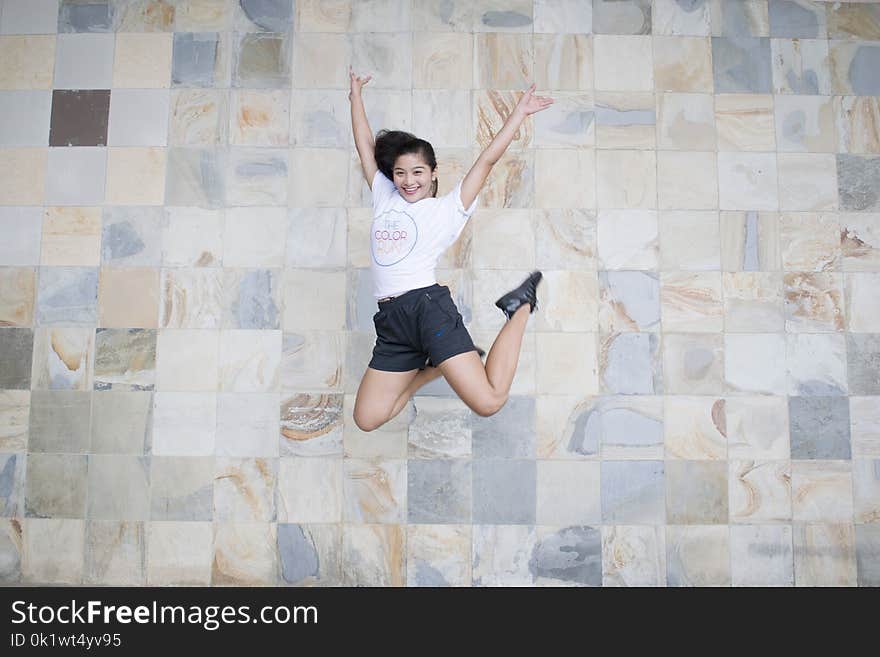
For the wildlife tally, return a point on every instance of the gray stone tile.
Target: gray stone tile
(67, 296)
(761, 555)
(59, 421)
(438, 491)
(119, 487)
(572, 555)
(858, 182)
(76, 176)
(868, 554)
(630, 364)
(739, 17)
(863, 75)
(125, 359)
(122, 423)
(11, 485)
(268, 15)
(620, 424)
(262, 61)
(132, 236)
(195, 178)
(440, 429)
(16, 356)
(29, 17)
(81, 16)
(310, 554)
(56, 486)
(863, 363)
(182, 487)
(10, 550)
(84, 61)
(194, 59)
(510, 433)
(257, 176)
(621, 16)
(252, 299)
(504, 491)
(633, 492)
(742, 65)
(115, 553)
(24, 117)
(630, 301)
(866, 490)
(361, 306)
(802, 20)
(696, 492)
(819, 427)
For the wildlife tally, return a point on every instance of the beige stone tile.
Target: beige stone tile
(693, 364)
(310, 489)
(671, 18)
(686, 122)
(136, 176)
(755, 363)
(128, 298)
(313, 300)
(255, 237)
(860, 241)
(199, 117)
(23, 176)
(568, 493)
(814, 302)
(825, 555)
(745, 122)
(503, 61)
(27, 62)
(53, 551)
(201, 15)
(488, 285)
(191, 298)
(683, 63)
(502, 237)
(321, 61)
(747, 181)
(809, 241)
(572, 353)
(245, 554)
(317, 177)
(804, 124)
(564, 61)
(694, 428)
(627, 239)
(759, 491)
(250, 361)
(510, 183)
(822, 491)
(14, 420)
(442, 60)
(186, 360)
(623, 62)
(456, 16)
(373, 555)
(444, 549)
(638, 189)
(633, 555)
(323, 15)
(690, 240)
(753, 301)
(63, 359)
(179, 553)
(18, 287)
(142, 61)
(844, 56)
(687, 180)
(697, 555)
(691, 301)
(800, 66)
(491, 109)
(625, 120)
(437, 115)
(757, 428)
(374, 491)
(857, 124)
(192, 237)
(565, 178)
(750, 241)
(569, 302)
(259, 117)
(559, 430)
(71, 237)
(565, 238)
(387, 56)
(864, 415)
(807, 181)
(862, 309)
(568, 123)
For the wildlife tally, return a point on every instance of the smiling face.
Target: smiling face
(413, 177)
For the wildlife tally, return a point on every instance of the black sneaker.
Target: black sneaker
(480, 353)
(525, 293)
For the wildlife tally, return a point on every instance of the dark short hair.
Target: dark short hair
(391, 144)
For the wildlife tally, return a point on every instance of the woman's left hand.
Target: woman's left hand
(529, 103)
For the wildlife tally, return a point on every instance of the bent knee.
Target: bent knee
(367, 422)
(489, 406)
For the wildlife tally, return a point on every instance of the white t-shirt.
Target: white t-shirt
(407, 239)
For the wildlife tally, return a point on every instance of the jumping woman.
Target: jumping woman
(419, 331)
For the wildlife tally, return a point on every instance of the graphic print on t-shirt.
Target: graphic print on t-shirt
(394, 237)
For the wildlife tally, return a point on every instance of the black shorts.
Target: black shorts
(418, 324)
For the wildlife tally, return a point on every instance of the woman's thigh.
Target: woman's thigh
(377, 394)
(466, 375)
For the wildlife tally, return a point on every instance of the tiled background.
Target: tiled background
(185, 296)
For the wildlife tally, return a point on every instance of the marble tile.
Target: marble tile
(633, 555)
(761, 555)
(682, 63)
(10, 550)
(567, 428)
(14, 415)
(689, 240)
(857, 124)
(18, 291)
(502, 555)
(143, 15)
(569, 302)
(310, 554)
(27, 61)
(691, 301)
(759, 491)
(675, 18)
(866, 490)
(553, 353)
(439, 491)
(56, 486)
(25, 117)
(142, 61)
(697, 555)
(319, 119)
(310, 489)
(861, 313)
(685, 122)
(316, 237)
(23, 228)
(53, 551)
(195, 15)
(752, 301)
(800, 66)
(261, 60)
(438, 555)
(74, 176)
(387, 55)
(144, 165)
(816, 364)
(248, 424)
(186, 360)
(857, 179)
(687, 180)
(192, 237)
(436, 116)
(742, 64)
(694, 428)
(195, 177)
(374, 555)
(853, 68)
(805, 124)
(747, 181)
(312, 359)
(254, 237)
(191, 298)
(813, 302)
(374, 492)
(623, 63)
(63, 359)
(179, 553)
(502, 237)
(745, 122)
(319, 61)
(249, 360)
(128, 297)
(244, 489)
(822, 491)
(864, 427)
(867, 550)
(622, 427)
(59, 421)
(510, 433)
(12, 485)
(428, 15)
(502, 61)
(311, 425)
(256, 176)
(825, 555)
(441, 428)
(750, 241)
(308, 299)
(30, 17)
(564, 61)
(863, 363)
(853, 21)
(504, 491)
(553, 188)
(122, 423)
(570, 556)
(627, 17)
(118, 487)
(259, 118)
(805, 183)
(315, 176)
(755, 363)
(693, 363)
(569, 122)
(184, 423)
(565, 238)
(696, 492)
(258, 15)
(810, 242)
(132, 236)
(633, 492)
(627, 239)
(629, 363)
(628, 301)
(625, 120)
(182, 488)
(245, 554)
(757, 428)
(568, 493)
(15, 368)
(502, 16)
(198, 117)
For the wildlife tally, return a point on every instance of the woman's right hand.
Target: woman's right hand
(357, 83)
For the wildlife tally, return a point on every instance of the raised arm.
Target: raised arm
(360, 127)
(473, 181)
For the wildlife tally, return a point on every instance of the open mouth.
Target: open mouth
(410, 191)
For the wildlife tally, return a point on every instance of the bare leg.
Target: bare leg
(377, 395)
(504, 355)
(425, 376)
